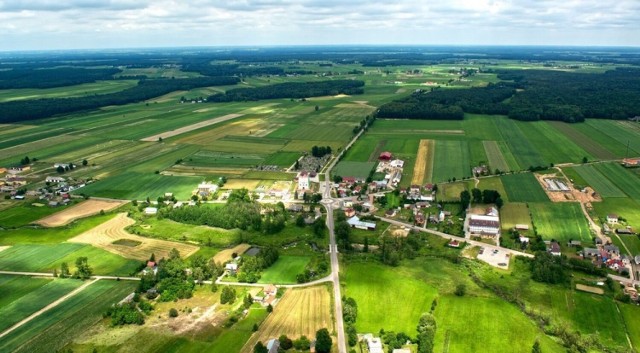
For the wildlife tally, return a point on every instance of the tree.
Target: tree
(323, 341)
(83, 270)
(536, 347)
(317, 108)
(269, 308)
(285, 342)
(366, 244)
(584, 160)
(25, 161)
(228, 295)
(173, 312)
(159, 139)
(499, 202)
(255, 327)
(302, 343)
(248, 300)
(260, 348)
(465, 198)
(300, 221)
(477, 195)
(461, 289)
(60, 169)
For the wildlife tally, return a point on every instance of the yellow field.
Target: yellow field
(300, 312)
(424, 162)
(104, 235)
(225, 255)
(242, 183)
(83, 209)
(191, 127)
(244, 127)
(589, 289)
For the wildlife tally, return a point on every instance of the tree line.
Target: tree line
(30, 77)
(290, 90)
(22, 110)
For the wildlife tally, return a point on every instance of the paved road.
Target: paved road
(299, 285)
(47, 308)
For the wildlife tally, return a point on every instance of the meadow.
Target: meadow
(561, 221)
(285, 270)
(598, 181)
(523, 187)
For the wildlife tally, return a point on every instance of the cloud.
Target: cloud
(41, 24)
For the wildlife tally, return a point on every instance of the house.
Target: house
(574, 243)
(303, 180)
(419, 219)
(19, 169)
(355, 222)
(385, 156)
(624, 231)
(349, 212)
(453, 244)
(554, 249)
(349, 180)
(373, 343)
(168, 195)
(524, 239)
(151, 210)
(270, 290)
(414, 189)
(232, 268)
(423, 204)
(631, 162)
(612, 250)
(63, 165)
(397, 163)
(54, 179)
(390, 213)
(206, 188)
(522, 227)
(612, 218)
(295, 207)
(273, 345)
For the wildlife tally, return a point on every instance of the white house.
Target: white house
(151, 210)
(303, 181)
(206, 188)
(373, 343)
(355, 222)
(484, 225)
(232, 268)
(54, 179)
(612, 218)
(397, 163)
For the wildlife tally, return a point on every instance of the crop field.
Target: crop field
(523, 187)
(588, 144)
(299, 312)
(138, 186)
(624, 207)
(598, 181)
(523, 150)
(26, 213)
(225, 255)
(285, 270)
(495, 158)
(62, 324)
(553, 146)
(497, 325)
(13, 288)
(354, 169)
(190, 128)
(621, 178)
(451, 160)
(87, 89)
(104, 236)
(513, 213)
(630, 314)
(32, 301)
(394, 307)
(560, 221)
(81, 210)
(47, 257)
(619, 132)
(423, 168)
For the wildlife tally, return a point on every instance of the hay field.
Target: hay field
(104, 236)
(192, 127)
(299, 312)
(225, 255)
(424, 162)
(81, 210)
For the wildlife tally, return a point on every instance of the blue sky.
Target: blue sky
(80, 24)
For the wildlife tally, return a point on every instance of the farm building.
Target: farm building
(231, 268)
(273, 345)
(19, 169)
(151, 210)
(207, 188)
(397, 163)
(522, 227)
(612, 218)
(631, 162)
(303, 180)
(54, 179)
(373, 343)
(355, 222)
(385, 156)
(590, 252)
(485, 225)
(554, 249)
(349, 212)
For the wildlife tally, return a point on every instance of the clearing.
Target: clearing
(225, 255)
(299, 312)
(81, 210)
(192, 127)
(113, 230)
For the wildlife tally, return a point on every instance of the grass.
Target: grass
(495, 158)
(30, 302)
(494, 325)
(513, 213)
(598, 181)
(26, 213)
(561, 221)
(138, 186)
(621, 178)
(624, 207)
(451, 159)
(62, 324)
(394, 307)
(523, 187)
(285, 270)
(234, 339)
(354, 169)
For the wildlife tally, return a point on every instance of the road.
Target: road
(46, 274)
(47, 308)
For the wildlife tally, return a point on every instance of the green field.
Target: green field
(60, 325)
(394, 307)
(495, 158)
(561, 221)
(513, 213)
(137, 186)
(354, 169)
(451, 160)
(598, 181)
(622, 178)
(285, 270)
(523, 187)
(624, 207)
(25, 213)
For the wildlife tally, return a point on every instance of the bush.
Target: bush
(302, 343)
(228, 295)
(461, 289)
(173, 312)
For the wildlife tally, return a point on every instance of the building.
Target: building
(206, 188)
(273, 345)
(269, 290)
(232, 268)
(349, 212)
(303, 180)
(54, 179)
(151, 210)
(484, 225)
(631, 162)
(373, 343)
(385, 156)
(554, 249)
(612, 218)
(397, 163)
(355, 222)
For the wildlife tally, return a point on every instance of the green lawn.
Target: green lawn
(471, 324)
(285, 270)
(561, 221)
(387, 297)
(523, 187)
(233, 339)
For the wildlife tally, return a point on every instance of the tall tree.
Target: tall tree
(323, 341)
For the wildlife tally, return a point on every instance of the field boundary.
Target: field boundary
(189, 128)
(83, 209)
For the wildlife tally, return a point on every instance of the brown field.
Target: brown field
(104, 236)
(225, 255)
(191, 127)
(81, 210)
(299, 312)
(594, 290)
(244, 127)
(242, 183)
(424, 162)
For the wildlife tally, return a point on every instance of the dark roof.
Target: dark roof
(483, 223)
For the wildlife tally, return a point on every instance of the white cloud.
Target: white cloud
(43, 24)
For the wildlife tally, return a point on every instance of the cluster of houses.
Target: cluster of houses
(608, 255)
(12, 181)
(612, 221)
(392, 169)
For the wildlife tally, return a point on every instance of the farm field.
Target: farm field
(560, 221)
(226, 255)
(299, 312)
(423, 169)
(354, 169)
(81, 210)
(451, 160)
(99, 87)
(63, 323)
(138, 186)
(496, 324)
(523, 187)
(26, 213)
(495, 158)
(623, 207)
(285, 270)
(621, 178)
(513, 213)
(107, 234)
(598, 181)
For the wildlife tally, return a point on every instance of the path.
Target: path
(47, 274)
(47, 308)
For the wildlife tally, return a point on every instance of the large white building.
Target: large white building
(485, 225)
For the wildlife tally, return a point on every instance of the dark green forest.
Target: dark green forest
(290, 90)
(52, 77)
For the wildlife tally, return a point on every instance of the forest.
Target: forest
(291, 90)
(530, 95)
(52, 77)
(22, 110)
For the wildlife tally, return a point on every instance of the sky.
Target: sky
(94, 24)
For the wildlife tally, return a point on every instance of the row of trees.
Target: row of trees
(323, 343)
(290, 90)
(22, 110)
(320, 151)
(83, 269)
(486, 196)
(252, 266)
(350, 315)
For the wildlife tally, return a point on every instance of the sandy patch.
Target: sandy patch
(572, 195)
(589, 289)
(225, 255)
(113, 230)
(192, 127)
(81, 210)
(420, 167)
